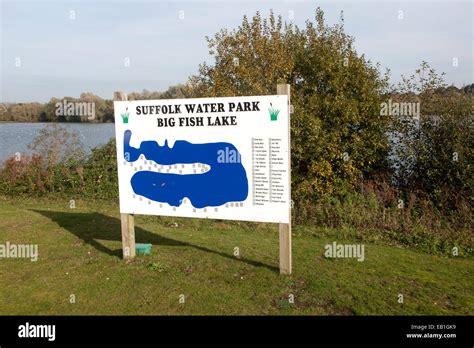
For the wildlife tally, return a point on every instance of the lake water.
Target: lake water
(15, 136)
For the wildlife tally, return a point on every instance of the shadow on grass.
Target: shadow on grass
(92, 226)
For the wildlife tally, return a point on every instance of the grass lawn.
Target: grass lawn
(80, 255)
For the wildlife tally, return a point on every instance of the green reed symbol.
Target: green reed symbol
(273, 112)
(125, 116)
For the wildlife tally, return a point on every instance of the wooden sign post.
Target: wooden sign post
(127, 220)
(285, 229)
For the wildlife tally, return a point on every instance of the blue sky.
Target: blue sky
(60, 56)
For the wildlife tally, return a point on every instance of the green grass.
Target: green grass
(80, 249)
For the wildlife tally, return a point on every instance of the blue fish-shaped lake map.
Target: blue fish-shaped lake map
(225, 181)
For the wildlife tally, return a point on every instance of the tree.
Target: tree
(55, 144)
(433, 154)
(178, 91)
(338, 133)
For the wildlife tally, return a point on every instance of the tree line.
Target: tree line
(54, 110)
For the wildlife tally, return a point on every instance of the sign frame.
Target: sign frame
(285, 243)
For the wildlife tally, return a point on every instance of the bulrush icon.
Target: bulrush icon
(273, 113)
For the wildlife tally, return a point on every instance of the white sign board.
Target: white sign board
(220, 158)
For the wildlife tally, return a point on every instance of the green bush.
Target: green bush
(100, 173)
(433, 154)
(337, 132)
(61, 168)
